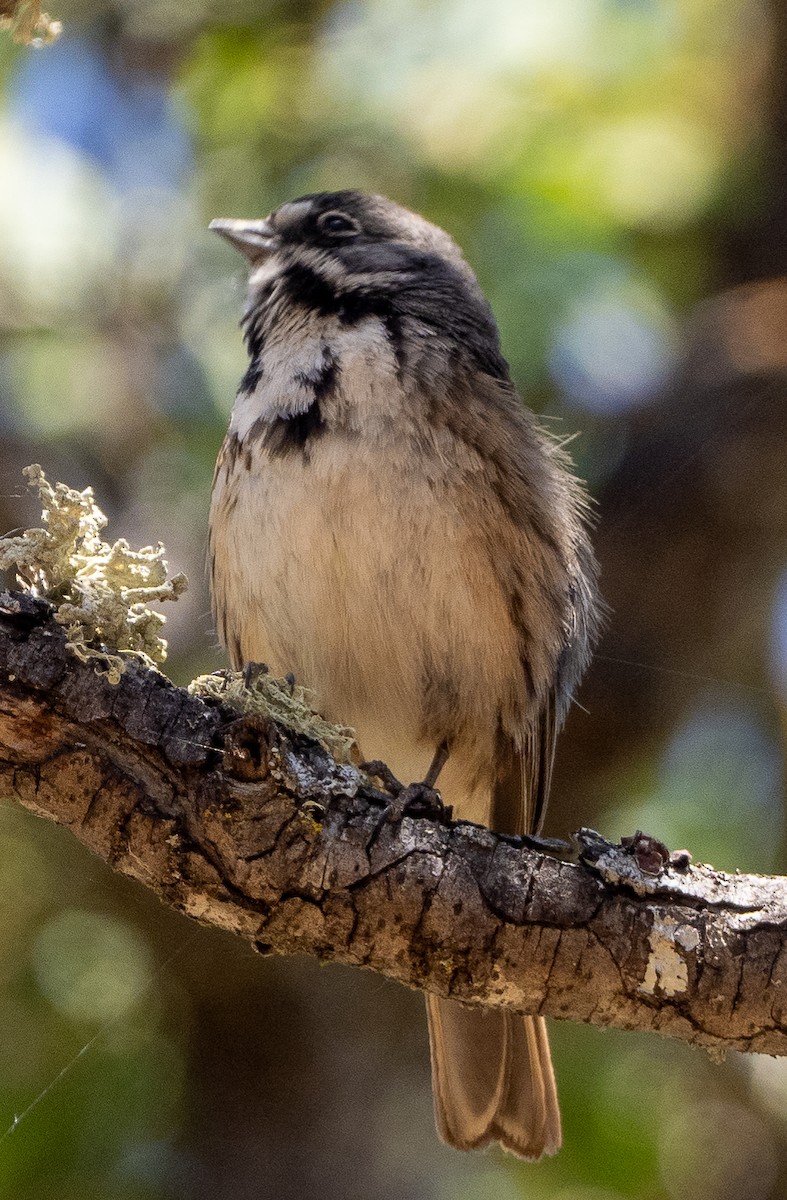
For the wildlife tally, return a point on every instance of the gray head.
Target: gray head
(354, 256)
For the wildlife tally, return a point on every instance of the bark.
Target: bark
(246, 826)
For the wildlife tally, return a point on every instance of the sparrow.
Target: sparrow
(389, 523)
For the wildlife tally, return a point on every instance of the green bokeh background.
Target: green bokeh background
(615, 171)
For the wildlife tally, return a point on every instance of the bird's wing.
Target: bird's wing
(521, 791)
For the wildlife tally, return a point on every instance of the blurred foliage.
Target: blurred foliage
(27, 24)
(616, 174)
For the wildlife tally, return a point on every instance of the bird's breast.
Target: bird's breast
(350, 568)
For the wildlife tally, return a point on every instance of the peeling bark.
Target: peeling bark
(244, 825)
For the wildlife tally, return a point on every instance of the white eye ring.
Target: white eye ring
(338, 223)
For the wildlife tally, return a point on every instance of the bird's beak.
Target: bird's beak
(255, 239)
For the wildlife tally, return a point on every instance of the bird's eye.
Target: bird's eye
(338, 223)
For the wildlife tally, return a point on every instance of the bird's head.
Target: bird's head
(352, 256)
(348, 233)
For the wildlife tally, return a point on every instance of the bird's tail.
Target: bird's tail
(492, 1079)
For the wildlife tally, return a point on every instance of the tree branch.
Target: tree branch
(249, 827)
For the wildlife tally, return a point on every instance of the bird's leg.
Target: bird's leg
(437, 764)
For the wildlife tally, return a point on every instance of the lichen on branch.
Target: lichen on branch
(256, 692)
(100, 591)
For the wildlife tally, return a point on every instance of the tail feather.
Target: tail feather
(492, 1079)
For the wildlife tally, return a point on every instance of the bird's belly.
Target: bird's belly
(373, 593)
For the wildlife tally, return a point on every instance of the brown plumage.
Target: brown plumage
(389, 523)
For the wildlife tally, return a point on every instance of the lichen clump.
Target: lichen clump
(256, 691)
(27, 24)
(100, 592)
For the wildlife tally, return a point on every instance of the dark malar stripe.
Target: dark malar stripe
(308, 288)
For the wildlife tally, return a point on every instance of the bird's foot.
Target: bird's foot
(414, 799)
(380, 770)
(421, 800)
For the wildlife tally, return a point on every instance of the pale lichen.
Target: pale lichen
(666, 971)
(100, 592)
(255, 692)
(27, 24)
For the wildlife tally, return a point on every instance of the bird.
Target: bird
(390, 524)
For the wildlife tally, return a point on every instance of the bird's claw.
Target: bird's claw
(252, 672)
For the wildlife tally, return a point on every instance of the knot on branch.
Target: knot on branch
(247, 747)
